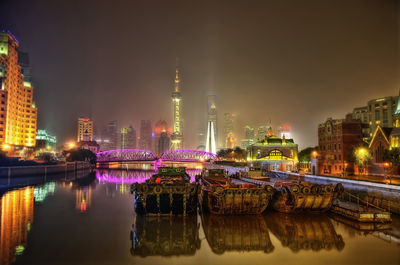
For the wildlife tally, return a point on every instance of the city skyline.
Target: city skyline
(337, 62)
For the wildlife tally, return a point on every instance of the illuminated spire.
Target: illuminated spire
(397, 111)
(177, 80)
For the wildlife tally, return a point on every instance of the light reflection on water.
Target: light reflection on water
(92, 220)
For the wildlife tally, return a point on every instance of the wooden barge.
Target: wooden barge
(219, 195)
(295, 197)
(168, 192)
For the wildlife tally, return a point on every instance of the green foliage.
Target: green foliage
(392, 156)
(80, 155)
(305, 154)
(229, 153)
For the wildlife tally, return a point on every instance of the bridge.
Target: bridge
(127, 155)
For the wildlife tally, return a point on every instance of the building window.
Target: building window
(377, 115)
(385, 115)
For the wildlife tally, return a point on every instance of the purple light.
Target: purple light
(133, 176)
(125, 155)
(188, 155)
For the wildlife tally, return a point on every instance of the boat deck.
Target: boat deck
(360, 213)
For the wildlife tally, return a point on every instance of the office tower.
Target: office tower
(177, 134)
(109, 136)
(229, 135)
(163, 143)
(85, 129)
(248, 137)
(160, 127)
(127, 138)
(18, 114)
(145, 141)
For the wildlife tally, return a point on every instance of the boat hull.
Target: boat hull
(156, 199)
(297, 198)
(234, 201)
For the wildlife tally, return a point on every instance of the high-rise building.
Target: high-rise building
(212, 117)
(264, 130)
(377, 112)
(163, 143)
(211, 145)
(248, 137)
(85, 129)
(45, 141)
(145, 141)
(18, 114)
(284, 131)
(160, 127)
(127, 138)
(177, 134)
(229, 135)
(109, 136)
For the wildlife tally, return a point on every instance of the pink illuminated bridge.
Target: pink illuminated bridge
(122, 155)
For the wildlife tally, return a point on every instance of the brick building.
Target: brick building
(335, 141)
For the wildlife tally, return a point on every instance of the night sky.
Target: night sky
(294, 62)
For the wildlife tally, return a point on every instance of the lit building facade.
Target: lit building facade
(177, 134)
(212, 124)
(264, 130)
(248, 137)
(336, 138)
(145, 141)
(229, 135)
(127, 138)
(211, 145)
(274, 153)
(85, 129)
(109, 136)
(45, 141)
(18, 114)
(163, 143)
(378, 112)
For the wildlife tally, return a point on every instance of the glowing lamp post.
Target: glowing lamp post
(362, 157)
(386, 167)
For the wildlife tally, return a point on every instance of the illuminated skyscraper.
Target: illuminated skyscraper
(85, 129)
(177, 135)
(145, 141)
(229, 136)
(18, 114)
(212, 117)
(127, 138)
(211, 145)
(109, 136)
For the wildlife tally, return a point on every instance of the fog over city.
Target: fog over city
(289, 62)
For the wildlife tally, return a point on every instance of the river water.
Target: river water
(92, 221)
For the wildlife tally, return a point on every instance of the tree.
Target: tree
(306, 153)
(80, 155)
(237, 153)
(362, 156)
(392, 157)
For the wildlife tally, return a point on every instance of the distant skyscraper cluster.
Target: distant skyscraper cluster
(18, 113)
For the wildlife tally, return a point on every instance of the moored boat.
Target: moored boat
(168, 192)
(221, 195)
(294, 197)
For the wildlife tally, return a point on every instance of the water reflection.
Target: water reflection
(41, 192)
(16, 219)
(165, 236)
(236, 233)
(304, 232)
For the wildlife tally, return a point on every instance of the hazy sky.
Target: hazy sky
(294, 62)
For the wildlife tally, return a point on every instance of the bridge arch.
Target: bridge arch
(188, 156)
(125, 155)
